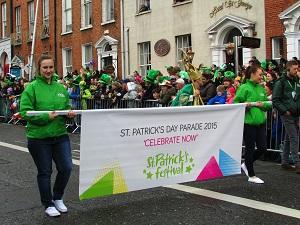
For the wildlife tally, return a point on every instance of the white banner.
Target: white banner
(125, 150)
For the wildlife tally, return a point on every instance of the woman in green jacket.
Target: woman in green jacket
(47, 135)
(255, 119)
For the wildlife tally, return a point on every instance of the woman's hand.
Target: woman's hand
(259, 104)
(71, 114)
(52, 115)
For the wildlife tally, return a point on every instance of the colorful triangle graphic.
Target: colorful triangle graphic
(210, 171)
(228, 165)
(110, 180)
(103, 186)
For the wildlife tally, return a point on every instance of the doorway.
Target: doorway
(229, 39)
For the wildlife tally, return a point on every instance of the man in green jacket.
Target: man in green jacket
(286, 99)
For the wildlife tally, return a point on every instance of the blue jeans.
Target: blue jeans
(42, 152)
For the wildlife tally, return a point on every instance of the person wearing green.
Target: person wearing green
(47, 135)
(188, 94)
(255, 96)
(286, 99)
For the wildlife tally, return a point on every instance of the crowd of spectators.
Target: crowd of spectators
(219, 84)
(87, 88)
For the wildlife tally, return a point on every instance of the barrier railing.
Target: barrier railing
(275, 129)
(9, 109)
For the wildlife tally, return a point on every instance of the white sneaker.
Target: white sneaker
(244, 168)
(255, 180)
(60, 206)
(52, 211)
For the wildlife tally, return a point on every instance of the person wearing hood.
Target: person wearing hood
(47, 134)
(220, 97)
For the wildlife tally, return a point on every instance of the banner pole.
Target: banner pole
(79, 112)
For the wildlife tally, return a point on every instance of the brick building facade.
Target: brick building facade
(76, 33)
(5, 31)
(276, 43)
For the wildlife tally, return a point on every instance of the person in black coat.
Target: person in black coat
(208, 89)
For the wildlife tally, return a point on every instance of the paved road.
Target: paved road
(162, 206)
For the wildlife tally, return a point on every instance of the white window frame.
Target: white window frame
(45, 32)
(4, 20)
(67, 63)
(143, 3)
(144, 57)
(86, 13)
(276, 42)
(31, 16)
(46, 12)
(86, 59)
(18, 20)
(66, 16)
(108, 11)
(183, 42)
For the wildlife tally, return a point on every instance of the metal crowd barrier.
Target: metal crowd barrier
(275, 129)
(81, 104)
(9, 109)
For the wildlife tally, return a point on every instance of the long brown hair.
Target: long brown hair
(41, 59)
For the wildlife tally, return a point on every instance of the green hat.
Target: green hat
(264, 64)
(77, 80)
(272, 65)
(163, 78)
(206, 70)
(184, 75)
(105, 79)
(223, 67)
(216, 74)
(151, 76)
(229, 74)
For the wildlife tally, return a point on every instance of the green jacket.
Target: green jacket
(282, 95)
(41, 96)
(252, 92)
(183, 96)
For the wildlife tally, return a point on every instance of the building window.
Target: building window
(18, 20)
(86, 13)
(45, 31)
(30, 20)
(143, 6)
(18, 35)
(67, 60)
(4, 22)
(67, 16)
(277, 47)
(144, 57)
(87, 55)
(183, 43)
(108, 10)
